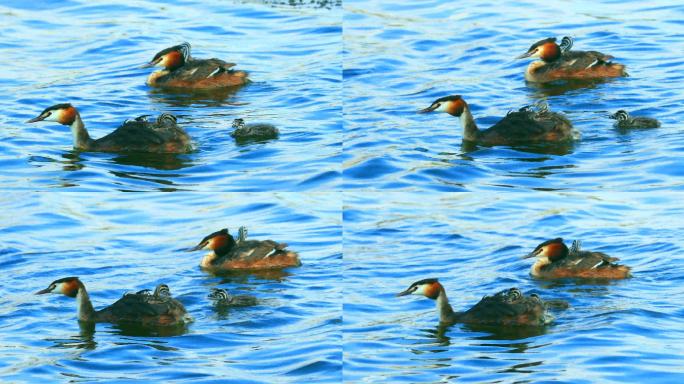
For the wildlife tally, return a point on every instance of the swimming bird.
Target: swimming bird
(143, 309)
(523, 126)
(227, 254)
(624, 120)
(507, 307)
(138, 135)
(253, 132)
(555, 261)
(183, 71)
(560, 62)
(221, 297)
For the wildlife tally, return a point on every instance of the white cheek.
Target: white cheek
(537, 53)
(419, 291)
(442, 107)
(59, 288)
(54, 116)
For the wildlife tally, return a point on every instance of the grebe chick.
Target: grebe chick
(183, 71)
(223, 298)
(253, 132)
(523, 126)
(227, 254)
(508, 307)
(556, 261)
(139, 308)
(624, 120)
(559, 62)
(139, 135)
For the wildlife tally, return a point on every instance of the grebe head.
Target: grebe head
(220, 242)
(620, 115)
(61, 113)
(219, 294)
(546, 49)
(171, 58)
(552, 250)
(238, 123)
(162, 290)
(68, 286)
(429, 288)
(453, 105)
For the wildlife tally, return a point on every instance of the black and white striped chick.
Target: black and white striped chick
(561, 62)
(183, 71)
(158, 309)
(522, 127)
(138, 135)
(253, 132)
(227, 254)
(556, 261)
(508, 307)
(221, 297)
(624, 120)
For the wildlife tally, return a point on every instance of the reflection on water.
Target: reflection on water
(544, 90)
(84, 340)
(196, 98)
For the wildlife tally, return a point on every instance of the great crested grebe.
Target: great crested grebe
(560, 62)
(227, 254)
(508, 307)
(253, 132)
(523, 126)
(139, 135)
(221, 297)
(556, 261)
(624, 120)
(158, 309)
(183, 71)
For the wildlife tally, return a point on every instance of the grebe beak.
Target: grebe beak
(44, 291)
(39, 118)
(197, 247)
(151, 63)
(524, 55)
(531, 254)
(406, 292)
(429, 109)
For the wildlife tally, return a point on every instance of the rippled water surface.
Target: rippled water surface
(623, 331)
(399, 57)
(117, 243)
(89, 54)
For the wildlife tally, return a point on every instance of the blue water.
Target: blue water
(401, 57)
(622, 331)
(89, 54)
(358, 183)
(116, 243)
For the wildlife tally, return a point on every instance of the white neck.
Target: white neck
(470, 130)
(85, 307)
(539, 264)
(81, 138)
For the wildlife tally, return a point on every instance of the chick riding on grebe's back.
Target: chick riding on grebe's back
(508, 307)
(139, 135)
(158, 309)
(183, 71)
(556, 261)
(560, 62)
(522, 127)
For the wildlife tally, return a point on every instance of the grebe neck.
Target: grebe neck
(81, 138)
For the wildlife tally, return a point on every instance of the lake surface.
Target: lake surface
(358, 183)
(89, 54)
(117, 243)
(622, 331)
(401, 57)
